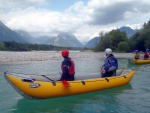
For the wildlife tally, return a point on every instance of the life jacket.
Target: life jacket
(146, 55)
(108, 62)
(71, 69)
(137, 56)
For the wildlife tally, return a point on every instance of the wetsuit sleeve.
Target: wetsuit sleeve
(114, 64)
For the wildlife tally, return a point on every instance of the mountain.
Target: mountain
(34, 40)
(84, 43)
(93, 42)
(27, 36)
(44, 39)
(65, 40)
(7, 34)
(130, 32)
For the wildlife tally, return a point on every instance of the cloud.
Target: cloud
(84, 20)
(87, 32)
(109, 13)
(14, 4)
(42, 22)
(135, 26)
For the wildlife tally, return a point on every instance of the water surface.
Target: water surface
(131, 98)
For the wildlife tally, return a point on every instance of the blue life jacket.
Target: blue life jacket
(109, 62)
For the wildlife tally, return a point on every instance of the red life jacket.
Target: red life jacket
(146, 55)
(71, 69)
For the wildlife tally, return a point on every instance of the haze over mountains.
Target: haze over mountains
(7, 34)
(62, 40)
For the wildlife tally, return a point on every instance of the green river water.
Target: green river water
(131, 98)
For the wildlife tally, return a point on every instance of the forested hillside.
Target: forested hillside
(141, 40)
(115, 40)
(118, 41)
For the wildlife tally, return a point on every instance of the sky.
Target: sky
(83, 18)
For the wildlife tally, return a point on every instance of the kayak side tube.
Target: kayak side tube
(37, 89)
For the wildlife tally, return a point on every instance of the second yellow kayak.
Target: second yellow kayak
(141, 61)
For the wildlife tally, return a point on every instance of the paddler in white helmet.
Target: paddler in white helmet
(111, 64)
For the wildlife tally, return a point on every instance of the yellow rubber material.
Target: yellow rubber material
(48, 90)
(141, 61)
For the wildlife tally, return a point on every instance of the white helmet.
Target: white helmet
(108, 51)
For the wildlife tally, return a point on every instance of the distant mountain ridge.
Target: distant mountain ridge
(65, 40)
(26, 36)
(34, 40)
(93, 42)
(62, 40)
(6, 34)
(130, 32)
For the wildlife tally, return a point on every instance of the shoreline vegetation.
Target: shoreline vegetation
(118, 41)
(14, 46)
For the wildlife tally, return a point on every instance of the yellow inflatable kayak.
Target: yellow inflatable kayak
(140, 61)
(42, 87)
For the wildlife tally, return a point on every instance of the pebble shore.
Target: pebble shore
(11, 56)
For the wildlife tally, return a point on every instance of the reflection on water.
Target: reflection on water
(133, 66)
(76, 103)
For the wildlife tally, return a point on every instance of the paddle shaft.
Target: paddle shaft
(64, 81)
(47, 77)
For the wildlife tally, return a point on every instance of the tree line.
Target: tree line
(14, 46)
(118, 41)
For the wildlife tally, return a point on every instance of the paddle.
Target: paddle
(47, 77)
(64, 82)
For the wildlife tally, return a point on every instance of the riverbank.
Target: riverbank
(11, 56)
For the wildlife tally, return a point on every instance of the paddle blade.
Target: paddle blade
(66, 83)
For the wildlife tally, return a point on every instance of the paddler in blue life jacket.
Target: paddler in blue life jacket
(111, 64)
(137, 55)
(68, 67)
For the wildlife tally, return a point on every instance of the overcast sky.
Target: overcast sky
(83, 18)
